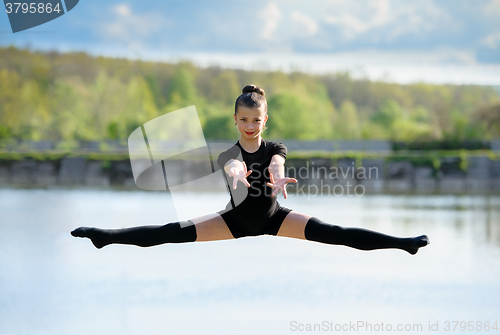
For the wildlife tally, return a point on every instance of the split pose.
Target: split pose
(257, 212)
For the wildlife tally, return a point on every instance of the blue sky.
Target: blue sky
(399, 40)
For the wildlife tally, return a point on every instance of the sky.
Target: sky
(440, 41)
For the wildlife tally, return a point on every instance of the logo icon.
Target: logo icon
(170, 153)
(26, 15)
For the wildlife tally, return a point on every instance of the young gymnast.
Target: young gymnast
(258, 212)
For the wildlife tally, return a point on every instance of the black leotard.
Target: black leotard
(252, 211)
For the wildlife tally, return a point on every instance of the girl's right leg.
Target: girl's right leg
(204, 228)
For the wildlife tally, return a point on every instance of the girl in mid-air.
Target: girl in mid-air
(254, 173)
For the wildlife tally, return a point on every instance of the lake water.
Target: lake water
(52, 283)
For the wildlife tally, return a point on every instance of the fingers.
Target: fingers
(275, 187)
(241, 176)
(243, 180)
(289, 180)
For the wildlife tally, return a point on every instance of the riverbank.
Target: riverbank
(333, 172)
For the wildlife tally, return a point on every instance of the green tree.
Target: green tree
(68, 116)
(488, 118)
(10, 90)
(287, 118)
(224, 88)
(52, 95)
(302, 114)
(220, 127)
(348, 124)
(388, 113)
(182, 88)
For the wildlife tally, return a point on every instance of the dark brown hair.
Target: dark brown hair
(252, 97)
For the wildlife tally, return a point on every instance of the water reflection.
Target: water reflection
(245, 286)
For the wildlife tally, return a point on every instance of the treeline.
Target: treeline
(74, 96)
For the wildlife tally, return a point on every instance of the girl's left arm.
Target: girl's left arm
(277, 174)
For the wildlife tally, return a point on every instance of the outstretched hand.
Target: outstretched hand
(280, 184)
(240, 174)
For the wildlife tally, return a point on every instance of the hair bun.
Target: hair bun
(253, 88)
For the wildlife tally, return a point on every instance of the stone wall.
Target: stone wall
(322, 174)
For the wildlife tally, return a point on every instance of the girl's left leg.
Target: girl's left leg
(298, 225)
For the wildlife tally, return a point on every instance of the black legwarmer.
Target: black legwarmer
(359, 238)
(143, 236)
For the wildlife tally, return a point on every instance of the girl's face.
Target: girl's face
(250, 121)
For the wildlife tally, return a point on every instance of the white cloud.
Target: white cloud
(122, 9)
(126, 26)
(271, 15)
(395, 17)
(442, 65)
(435, 18)
(492, 40)
(353, 24)
(492, 8)
(305, 22)
(289, 26)
(383, 10)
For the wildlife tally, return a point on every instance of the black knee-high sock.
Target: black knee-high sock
(359, 238)
(143, 236)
